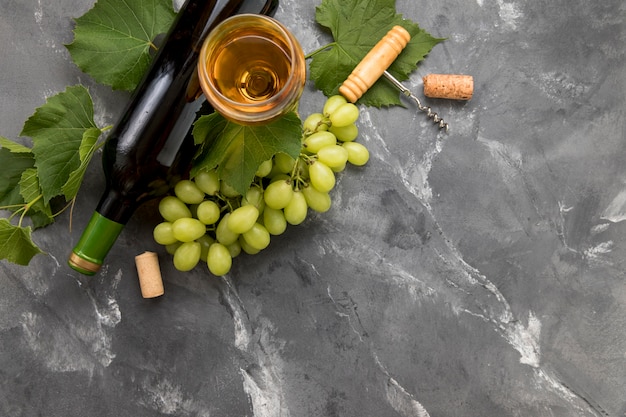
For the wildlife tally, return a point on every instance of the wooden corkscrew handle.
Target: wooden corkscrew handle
(375, 63)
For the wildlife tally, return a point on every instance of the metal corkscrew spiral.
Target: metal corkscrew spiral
(429, 113)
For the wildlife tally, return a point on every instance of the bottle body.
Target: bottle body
(151, 146)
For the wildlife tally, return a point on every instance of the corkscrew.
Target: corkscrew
(381, 56)
(429, 113)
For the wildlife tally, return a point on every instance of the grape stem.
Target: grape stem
(324, 122)
(317, 51)
(21, 209)
(296, 178)
(228, 203)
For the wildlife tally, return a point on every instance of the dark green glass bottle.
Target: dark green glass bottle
(151, 145)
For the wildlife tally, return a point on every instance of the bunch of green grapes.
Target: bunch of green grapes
(206, 220)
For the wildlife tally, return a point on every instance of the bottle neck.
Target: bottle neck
(94, 244)
(101, 232)
(116, 206)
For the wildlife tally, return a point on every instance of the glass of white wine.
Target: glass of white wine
(252, 69)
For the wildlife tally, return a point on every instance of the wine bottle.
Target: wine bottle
(151, 144)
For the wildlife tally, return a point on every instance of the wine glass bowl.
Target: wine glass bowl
(252, 69)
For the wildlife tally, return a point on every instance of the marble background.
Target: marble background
(475, 273)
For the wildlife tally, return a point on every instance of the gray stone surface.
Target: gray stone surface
(478, 273)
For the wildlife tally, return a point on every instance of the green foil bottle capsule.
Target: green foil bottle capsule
(96, 241)
(151, 145)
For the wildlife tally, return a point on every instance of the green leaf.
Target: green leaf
(19, 183)
(29, 185)
(237, 151)
(39, 212)
(86, 151)
(13, 164)
(113, 40)
(57, 130)
(13, 146)
(16, 244)
(356, 26)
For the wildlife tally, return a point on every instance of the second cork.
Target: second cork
(449, 86)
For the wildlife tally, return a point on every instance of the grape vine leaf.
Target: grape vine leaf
(14, 159)
(112, 41)
(13, 146)
(356, 26)
(39, 212)
(17, 183)
(237, 150)
(57, 130)
(16, 244)
(86, 150)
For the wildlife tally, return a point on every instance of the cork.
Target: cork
(375, 63)
(449, 86)
(149, 273)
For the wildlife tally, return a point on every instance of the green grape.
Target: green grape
(208, 212)
(275, 172)
(258, 237)
(321, 176)
(219, 260)
(344, 115)
(333, 155)
(264, 169)
(332, 103)
(254, 197)
(274, 221)
(245, 246)
(188, 192)
(208, 181)
(345, 133)
(223, 234)
(278, 194)
(296, 210)
(318, 140)
(228, 191)
(188, 229)
(234, 249)
(205, 242)
(280, 177)
(338, 168)
(171, 249)
(284, 163)
(242, 219)
(172, 209)
(187, 256)
(317, 200)
(314, 122)
(357, 153)
(163, 234)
